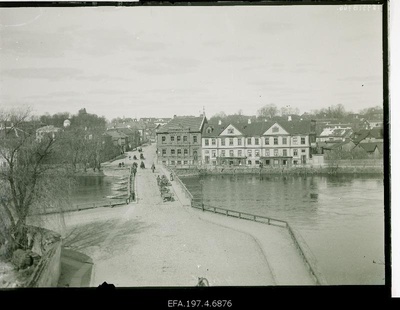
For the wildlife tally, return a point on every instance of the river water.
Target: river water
(92, 188)
(343, 226)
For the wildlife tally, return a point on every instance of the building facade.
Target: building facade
(261, 143)
(179, 141)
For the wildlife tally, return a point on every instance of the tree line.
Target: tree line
(36, 173)
(271, 111)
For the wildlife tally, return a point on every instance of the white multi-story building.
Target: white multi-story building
(280, 143)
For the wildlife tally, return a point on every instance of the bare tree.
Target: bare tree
(268, 111)
(27, 176)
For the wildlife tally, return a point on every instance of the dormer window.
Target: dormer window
(209, 130)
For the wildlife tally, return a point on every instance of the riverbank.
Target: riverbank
(301, 171)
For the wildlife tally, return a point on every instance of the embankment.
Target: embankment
(328, 169)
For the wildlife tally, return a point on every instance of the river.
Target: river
(343, 225)
(92, 188)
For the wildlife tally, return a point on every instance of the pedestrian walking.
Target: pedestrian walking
(153, 167)
(171, 177)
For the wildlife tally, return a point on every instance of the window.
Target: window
(240, 153)
(172, 162)
(163, 139)
(284, 140)
(284, 152)
(164, 152)
(275, 129)
(222, 141)
(213, 154)
(179, 162)
(249, 141)
(172, 152)
(295, 162)
(207, 152)
(294, 140)
(249, 162)
(172, 138)
(275, 141)
(185, 152)
(295, 152)
(249, 153)
(230, 130)
(205, 141)
(231, 154)
(178, 138)
(276, 162)
(239, 141)
(267, 162)
(256, 141)
(303, 150)
(303, 141)
(164, 162)
(195, 139)
(267, 153)
(185, 162)
(213, 141)
(257, 153)
(267, 141)
(223, 153)
(230, 141)
(275, 152)
(257, 162)
(284, 162)
(179, 152)
(184, 138)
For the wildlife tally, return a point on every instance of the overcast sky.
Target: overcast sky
(161, 61)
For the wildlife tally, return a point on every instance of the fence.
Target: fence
(300, 244)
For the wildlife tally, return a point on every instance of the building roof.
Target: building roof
(336, 132)
(116, 133)
(340, 144)
(371, 146)
(189, 123)
(362, 134)
(257, 128)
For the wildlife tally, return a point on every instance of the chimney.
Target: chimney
(219, 122)
(249, 121)
(289, 118)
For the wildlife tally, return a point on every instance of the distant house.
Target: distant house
(49, 130)
(346, 145)
(373, 149)
(370, 140)
(118, 138)
(179, 141)
(368, 135)
(334, 134)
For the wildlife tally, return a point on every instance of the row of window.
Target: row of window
(178, 139)
(256, 141)
(268, 153)
(178, 152)
(268, 162)
(178, 162)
